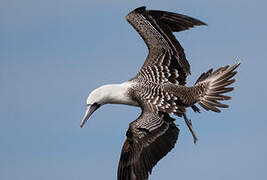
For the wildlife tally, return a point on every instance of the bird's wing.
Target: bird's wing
(149, 138)
(165, 52)
(208, 90)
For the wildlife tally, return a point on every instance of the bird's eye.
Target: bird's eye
(96, 105)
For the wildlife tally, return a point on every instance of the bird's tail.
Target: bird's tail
(213, 85)
(208, 90)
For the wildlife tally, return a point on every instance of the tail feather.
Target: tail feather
(218, 97)
(215, 85)
(204, 76)
(208, 90)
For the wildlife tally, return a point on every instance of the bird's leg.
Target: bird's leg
(195, 109)
(189, 125)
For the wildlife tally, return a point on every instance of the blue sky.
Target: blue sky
(53, 53)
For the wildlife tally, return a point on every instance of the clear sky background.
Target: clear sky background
(54, 52)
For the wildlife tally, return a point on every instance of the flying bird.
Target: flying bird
(159, 90)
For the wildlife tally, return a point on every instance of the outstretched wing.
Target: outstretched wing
(165, 55)
(149, 139)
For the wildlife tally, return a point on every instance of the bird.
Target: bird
(159, 90)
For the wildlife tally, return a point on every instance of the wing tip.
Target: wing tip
(201, 23)
(140, 9)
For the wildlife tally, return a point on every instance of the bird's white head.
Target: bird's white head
(99, 95)
(112, 94)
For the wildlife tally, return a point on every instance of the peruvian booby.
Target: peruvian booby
(159, 90)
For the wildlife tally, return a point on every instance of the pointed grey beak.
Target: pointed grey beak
(89, 111)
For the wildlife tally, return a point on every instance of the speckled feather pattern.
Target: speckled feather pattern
(159, 89)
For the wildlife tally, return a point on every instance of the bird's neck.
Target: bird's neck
(119, 94)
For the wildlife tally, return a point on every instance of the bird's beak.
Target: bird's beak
(89, 111)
